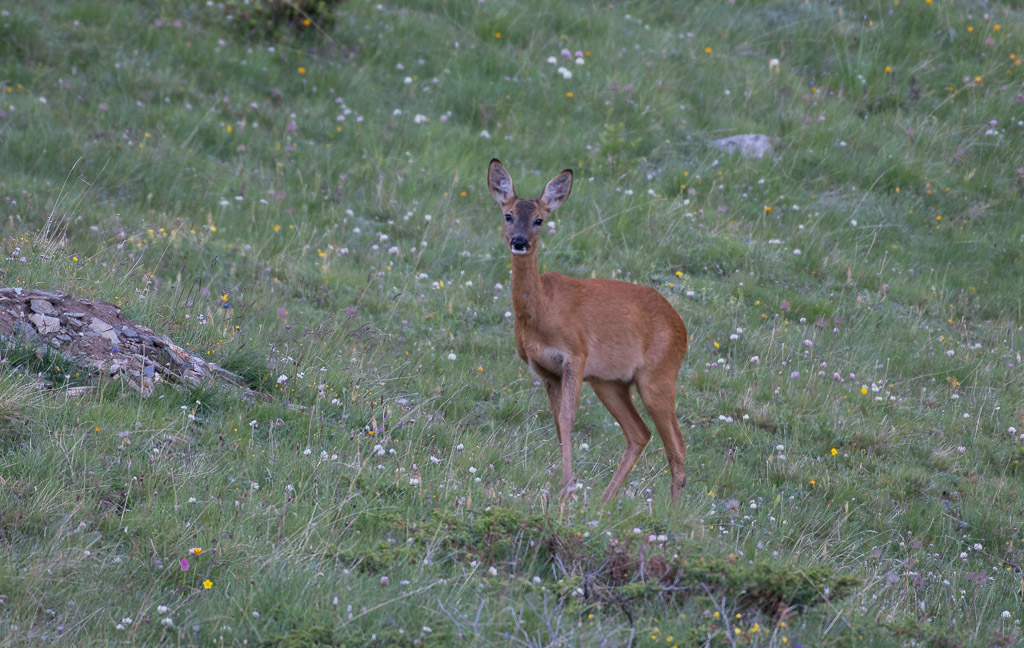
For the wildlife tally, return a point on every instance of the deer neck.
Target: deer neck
(527, 290)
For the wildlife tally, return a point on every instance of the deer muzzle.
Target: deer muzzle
(519, 245)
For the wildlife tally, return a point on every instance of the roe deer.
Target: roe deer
(611, 334)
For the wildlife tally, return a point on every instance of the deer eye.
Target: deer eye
(538, 222)
(508, 218)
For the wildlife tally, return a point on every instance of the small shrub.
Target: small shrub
(272, 18)
(47, 367)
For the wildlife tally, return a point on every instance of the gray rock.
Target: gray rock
(24, 331)
(44, 323)
(105, 330)
(42, 307)
(750, 145)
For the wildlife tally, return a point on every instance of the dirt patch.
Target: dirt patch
(98, 335)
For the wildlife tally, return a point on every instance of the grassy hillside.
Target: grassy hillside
(305, 204)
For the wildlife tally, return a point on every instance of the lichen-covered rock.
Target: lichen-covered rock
(98, 335)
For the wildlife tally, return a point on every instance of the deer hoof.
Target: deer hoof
(569, 490)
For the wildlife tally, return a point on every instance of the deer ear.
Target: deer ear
(499, 182)
(557, 190)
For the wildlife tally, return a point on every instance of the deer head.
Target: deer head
(524, 218)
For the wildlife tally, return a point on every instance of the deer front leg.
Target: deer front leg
(565, 419)
(554, 388)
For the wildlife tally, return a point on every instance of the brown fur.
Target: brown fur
(611, 334)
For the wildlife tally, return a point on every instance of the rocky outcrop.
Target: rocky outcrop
(99, 336)
(750, 145)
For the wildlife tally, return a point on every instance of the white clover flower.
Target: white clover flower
(492, 571)
(472, 470)
(451, 356)
(565, 72)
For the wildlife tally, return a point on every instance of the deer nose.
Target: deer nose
(519, 243)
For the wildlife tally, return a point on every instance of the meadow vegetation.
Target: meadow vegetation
(305, 204)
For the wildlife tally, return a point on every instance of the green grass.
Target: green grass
(310, 211)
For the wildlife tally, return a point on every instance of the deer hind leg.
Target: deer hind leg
(659, 397)
(616, 398)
